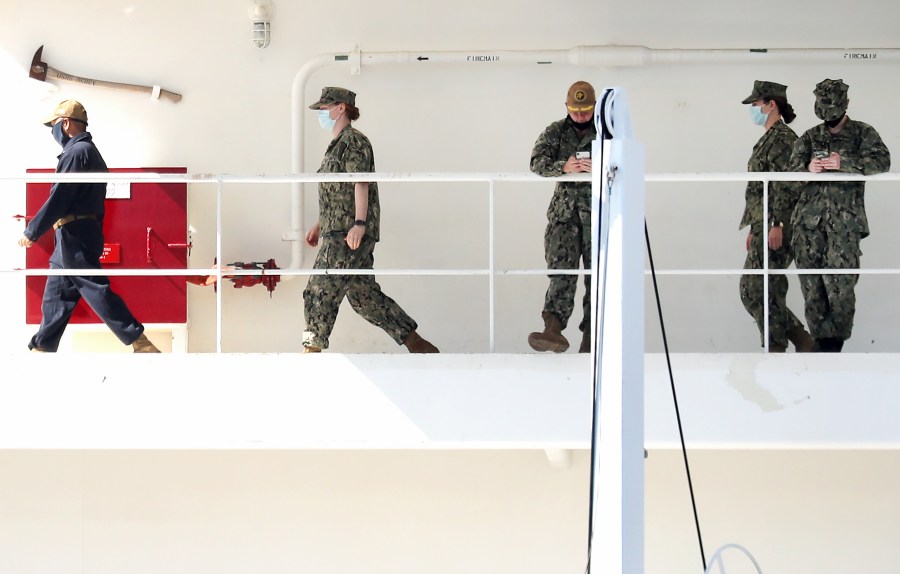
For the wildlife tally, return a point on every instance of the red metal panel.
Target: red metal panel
(138, 231)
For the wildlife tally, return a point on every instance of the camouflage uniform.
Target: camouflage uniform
(830, 217)
(771, 153)
(349, 152)
(568, 235)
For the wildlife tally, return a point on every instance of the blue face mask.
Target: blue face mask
(757, 116)
(325, 120)
(58, 134)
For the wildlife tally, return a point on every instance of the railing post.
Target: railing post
(219, 264)
(491, 264)
(765, 254)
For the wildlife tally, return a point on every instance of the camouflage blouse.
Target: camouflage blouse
(349, 152)
(840, 204)
(552, 149)
(771, 153)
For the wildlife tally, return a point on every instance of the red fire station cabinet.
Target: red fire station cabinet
(145, 227)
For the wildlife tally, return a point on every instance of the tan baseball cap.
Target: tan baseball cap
(71, 109)
(581, 97)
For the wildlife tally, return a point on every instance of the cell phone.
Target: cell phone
(582, 155)
(820, 154)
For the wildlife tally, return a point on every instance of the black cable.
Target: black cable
(596, 337)
(662, 327)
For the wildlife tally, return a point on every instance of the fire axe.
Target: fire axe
(41, 71)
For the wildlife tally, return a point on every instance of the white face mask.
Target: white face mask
(757, 116)
(325, 120)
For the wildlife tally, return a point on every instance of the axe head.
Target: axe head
(38, 69)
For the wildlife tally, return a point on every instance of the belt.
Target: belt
(70, 218)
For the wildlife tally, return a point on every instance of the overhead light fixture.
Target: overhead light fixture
(261, 12)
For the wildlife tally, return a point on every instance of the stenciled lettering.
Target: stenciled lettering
(860, 56)
(63, 76)
(482, 58)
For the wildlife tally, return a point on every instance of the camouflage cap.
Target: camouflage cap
(70, 109)
(763, 89)
(334, 96)
(831, 99)
(581, 97)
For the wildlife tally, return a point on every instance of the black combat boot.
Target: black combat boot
(830, 344)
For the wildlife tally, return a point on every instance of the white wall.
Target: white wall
(235, 117)
(230, 512)
(278, 511)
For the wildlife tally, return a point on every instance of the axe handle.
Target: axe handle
(114, 85)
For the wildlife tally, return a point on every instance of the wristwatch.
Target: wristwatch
(359, 222)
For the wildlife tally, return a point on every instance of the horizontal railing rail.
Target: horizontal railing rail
(489, 178)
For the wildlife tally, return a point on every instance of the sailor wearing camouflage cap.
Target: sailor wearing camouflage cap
(763, 89)
(830, 217)
(831, 101)
(349, 227)
(334, 96)
(770, 109)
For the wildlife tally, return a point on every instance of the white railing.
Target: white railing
(490, 179)
(766, 178)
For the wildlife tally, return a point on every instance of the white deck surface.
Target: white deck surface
(393, 401)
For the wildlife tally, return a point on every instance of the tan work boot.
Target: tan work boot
(585, 346)
(311, 349)
(416, 344)
(143, 345)
(552, 338)
(803, 341)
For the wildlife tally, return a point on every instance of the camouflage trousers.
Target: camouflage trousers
(565, 244)
(781, 319)
(324, 293)
(830, 299)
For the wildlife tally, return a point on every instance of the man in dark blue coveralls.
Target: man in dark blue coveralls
(75, 212)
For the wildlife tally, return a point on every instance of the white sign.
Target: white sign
(118, 190)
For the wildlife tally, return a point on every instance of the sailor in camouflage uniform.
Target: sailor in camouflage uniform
(564, 147)
(830, 217)
(348, 228)
(769, 108)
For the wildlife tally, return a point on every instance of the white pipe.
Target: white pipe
(604, 56)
